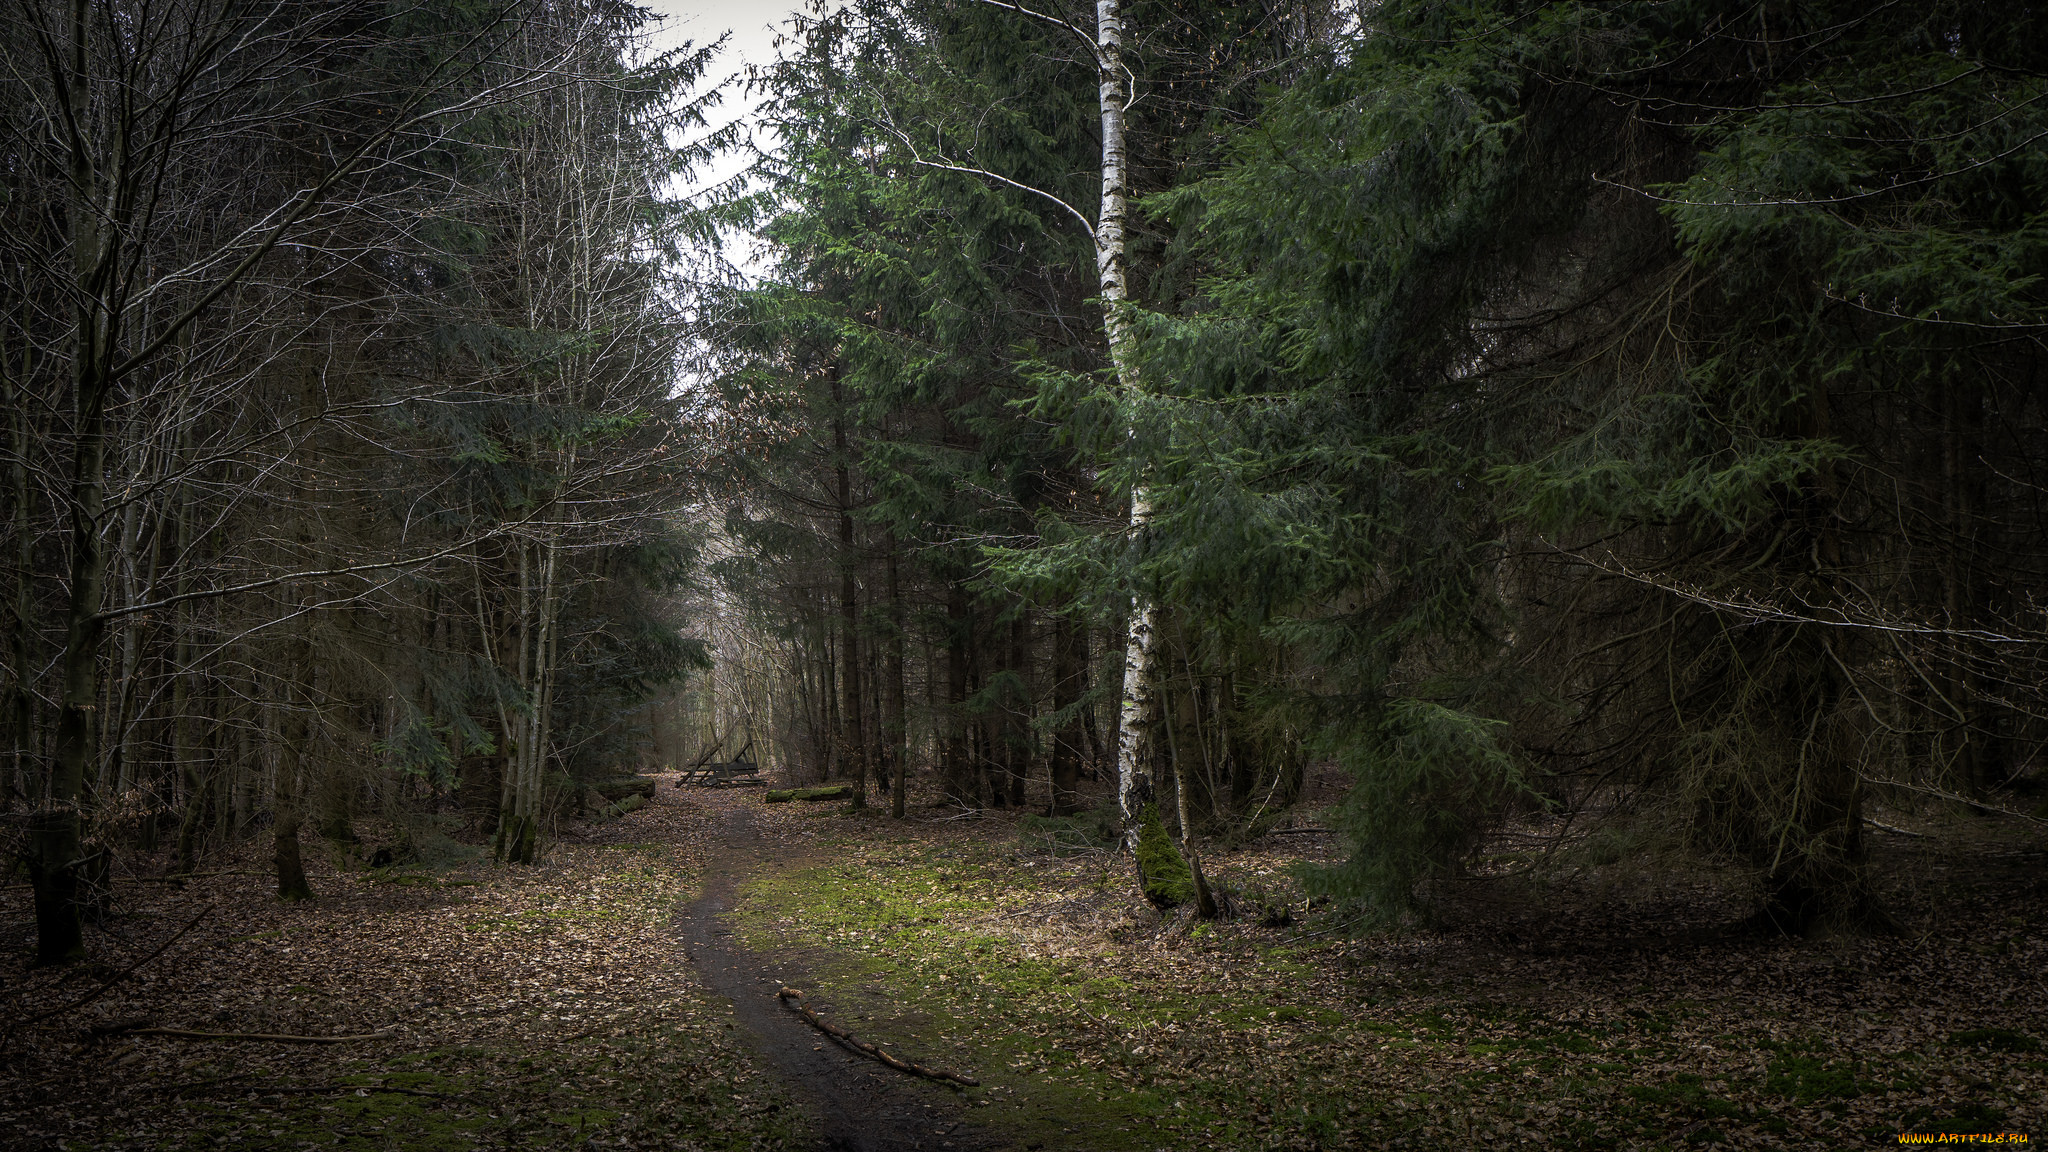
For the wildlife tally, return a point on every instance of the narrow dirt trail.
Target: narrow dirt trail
(860, 1105)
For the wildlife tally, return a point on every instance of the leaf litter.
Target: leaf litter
(552, 1006)
(533, 1007)
(1600, 1010)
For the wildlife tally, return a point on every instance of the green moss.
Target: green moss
(907, 971)
(1807, 1079)
(1996, 1039)
(1161, 868)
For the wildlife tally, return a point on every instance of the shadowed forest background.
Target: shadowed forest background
(1587, 432)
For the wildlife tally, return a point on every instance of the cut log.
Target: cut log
(620, 787)
(793, 999)
(785, 795)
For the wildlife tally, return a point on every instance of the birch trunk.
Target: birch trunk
(1134, 742)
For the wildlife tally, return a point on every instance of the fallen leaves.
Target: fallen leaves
(535, 1006)
(1583, 1012)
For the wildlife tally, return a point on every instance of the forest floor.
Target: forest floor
(622, 995)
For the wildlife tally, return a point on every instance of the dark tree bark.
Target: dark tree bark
(853, 750)
(1066, 693)
(1017, 713)
(291, 870)
(19, 706)
(893, 729)
(57, 828)
(959, 771)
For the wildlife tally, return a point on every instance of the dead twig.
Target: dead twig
(118, 976)
(793, 999)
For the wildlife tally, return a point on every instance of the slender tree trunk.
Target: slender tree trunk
(1017, 714)
(853, 749)
(294, 730)
(20, 709)
(544, 714)
(183, 756)
(893, 728)
(509, 831)
(959, 771)
(1091, 724)
(1066, 741)
(121, 689)
(232, 778)
(1134, 751)
(1971, 728)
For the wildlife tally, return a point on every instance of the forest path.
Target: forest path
(860, 1105)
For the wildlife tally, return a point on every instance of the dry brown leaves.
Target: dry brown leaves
(511, 1003)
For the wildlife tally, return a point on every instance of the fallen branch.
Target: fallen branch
(188, 1034)
(1884, 827)
(121, 975)
(793, 999)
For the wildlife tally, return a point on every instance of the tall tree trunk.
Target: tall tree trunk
(1017, 712)
(1066, 740)
(959, 771)
(509, 831)
(294, 731)
(853, 748)
(121, 689)
(1134, 751)
(19, 707)
(544, 713)
(184, 758)
(893, 730)
(1971, 742)
(56, 833)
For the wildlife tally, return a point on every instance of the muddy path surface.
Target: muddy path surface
(859, 1104)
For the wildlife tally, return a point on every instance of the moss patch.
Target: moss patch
(1164, 872)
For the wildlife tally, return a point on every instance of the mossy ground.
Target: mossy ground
(551, 1007)
(1094, 1022)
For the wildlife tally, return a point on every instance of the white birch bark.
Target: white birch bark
(1133, 754)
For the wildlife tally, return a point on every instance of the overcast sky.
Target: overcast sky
(752, 28)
